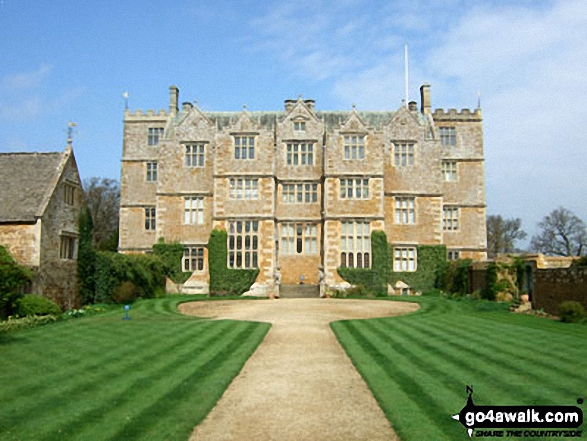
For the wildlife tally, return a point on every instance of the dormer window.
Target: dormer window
(299, 126)
(244, 147)
(354, 147)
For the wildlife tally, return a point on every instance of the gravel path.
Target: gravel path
(299, 384)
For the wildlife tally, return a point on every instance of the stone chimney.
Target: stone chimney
(425, 99)
(413, 106)
(173, 99)
(289, 104)
(310, 104)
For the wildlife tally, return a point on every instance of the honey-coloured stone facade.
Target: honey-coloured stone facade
(313, 183)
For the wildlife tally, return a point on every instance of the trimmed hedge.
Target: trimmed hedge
(34, 304)
(171, 255)
(123, 278)
(13, 277)
(224, 280)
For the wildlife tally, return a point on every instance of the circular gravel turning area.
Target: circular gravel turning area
(299, 384)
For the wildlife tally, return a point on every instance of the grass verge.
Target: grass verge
(154, 377)
(418, 365)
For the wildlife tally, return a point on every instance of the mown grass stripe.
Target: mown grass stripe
(388, 394)
(498, 355)
(87, 360)
(141, 388)
(114, 375)
(146, 418)
(457, 362)
(403, 378)
(522, 337)
(201, 396)
(95, 347)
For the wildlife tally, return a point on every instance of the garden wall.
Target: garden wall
(555, 285)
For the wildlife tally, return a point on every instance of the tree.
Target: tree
(103, 198)
(86, 257)
(563, 234)
(502, 235)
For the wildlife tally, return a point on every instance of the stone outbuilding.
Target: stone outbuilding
(40, 199)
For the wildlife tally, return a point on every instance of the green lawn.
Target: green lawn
(418, 365)
(153, 377)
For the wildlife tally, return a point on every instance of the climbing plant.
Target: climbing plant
(224, 280)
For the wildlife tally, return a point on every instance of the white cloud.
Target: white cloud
(25, 95)
(25, 80)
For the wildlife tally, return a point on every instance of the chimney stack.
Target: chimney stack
(310, 104)
(289, 104)
(425, 99)
(412, 106)
(173, 99)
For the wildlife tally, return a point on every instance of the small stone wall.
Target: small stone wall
(556, 285)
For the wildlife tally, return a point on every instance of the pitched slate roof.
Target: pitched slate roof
(26, 180)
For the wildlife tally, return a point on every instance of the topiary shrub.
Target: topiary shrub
(571, 312)
(34, 304)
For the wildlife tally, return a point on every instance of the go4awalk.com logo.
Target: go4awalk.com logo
(517, 421)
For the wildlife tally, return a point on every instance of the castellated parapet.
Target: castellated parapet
(301, 188)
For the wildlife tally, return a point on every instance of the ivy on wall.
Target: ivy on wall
(431, 261)
(374, 279)
(430, 264)
(224, 280)
(171, 255)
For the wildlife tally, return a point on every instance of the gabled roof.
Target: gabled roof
(26, 182)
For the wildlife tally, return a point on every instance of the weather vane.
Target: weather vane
(70, 127)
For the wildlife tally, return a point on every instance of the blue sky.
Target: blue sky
(71, 60)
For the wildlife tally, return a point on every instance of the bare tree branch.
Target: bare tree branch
(563, 234)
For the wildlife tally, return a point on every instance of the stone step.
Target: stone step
(299, 291)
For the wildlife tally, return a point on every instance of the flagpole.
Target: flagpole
(406, 73)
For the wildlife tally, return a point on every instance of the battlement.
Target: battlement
(454, 115)
(150, 114)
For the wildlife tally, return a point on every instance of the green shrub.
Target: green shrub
(13, 278)
(144, 271)
(224, 280)
(454, 277)
(571, 312)
(34, 304)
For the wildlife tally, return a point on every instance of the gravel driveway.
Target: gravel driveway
(299, 384)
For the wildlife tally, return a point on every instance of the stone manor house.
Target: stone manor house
(301, 188)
